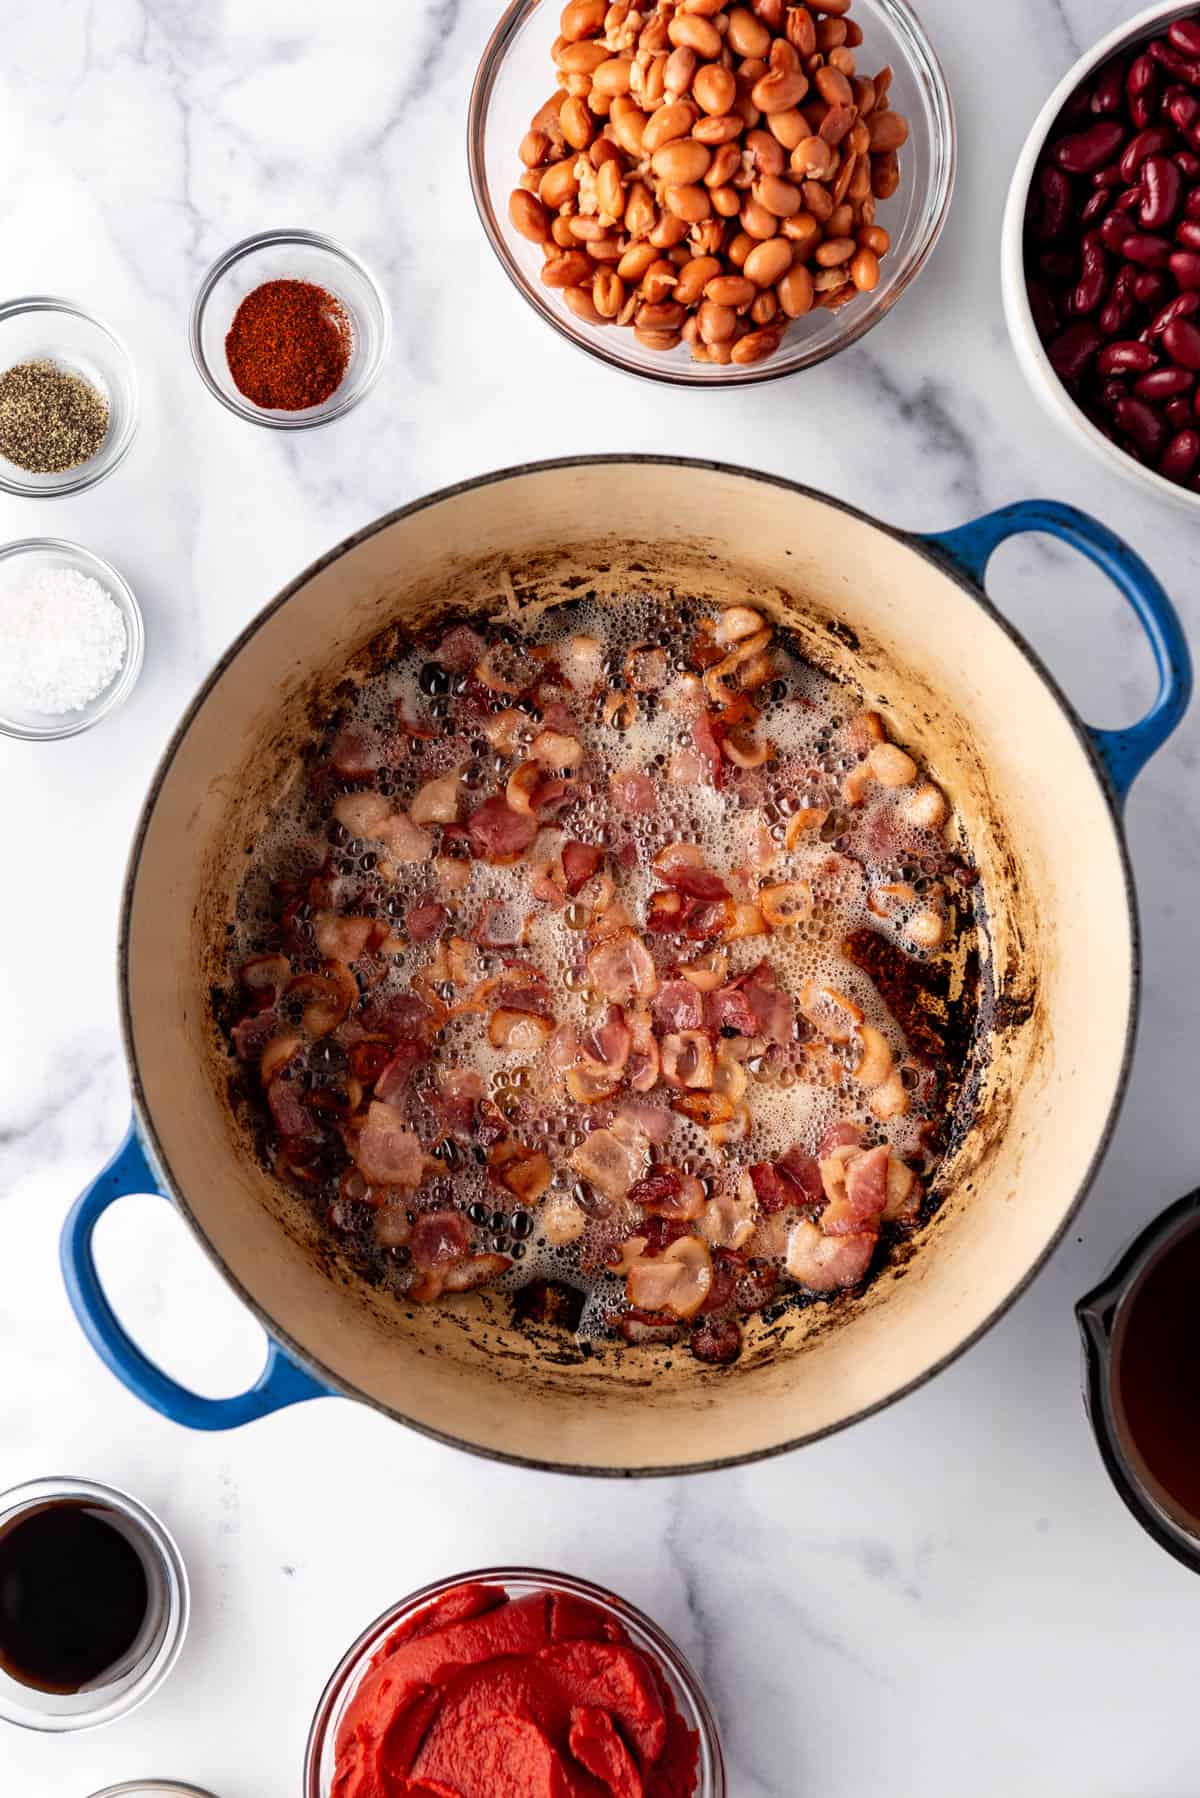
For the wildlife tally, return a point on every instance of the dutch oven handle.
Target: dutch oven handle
(280, 1383)
(1122, 753)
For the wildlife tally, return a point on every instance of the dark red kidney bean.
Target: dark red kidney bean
(1056, 203)
(1121, 306)
(1078, 106)
(1163, 185)
(1184, 34)
(1109, 89)
(1097, 204)
(1181, 340)
(1085, 151)
(1140, 421)
(1188, 164)
(1150, 142)
(1127, 358)
(1164, 383)
(1150, 289)
(1141, 90)
(1187, 233)
(1115, 229)
(1182, 306)
(1185, 266)
(1108, 176)
(1175, 61)
(1093, 278)
(1191, 206)
(1178, 412)
(1073, 349)
(1181, 455)
(1146, 250)
(1181, 107)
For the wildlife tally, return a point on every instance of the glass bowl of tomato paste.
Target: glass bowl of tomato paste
(517, 1680)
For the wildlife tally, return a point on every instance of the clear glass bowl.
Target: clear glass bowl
(152, 1788)
(517, 74)
(152, 1655)
(290, 256)
(518, 1582)
(56, 552)
(44, 329)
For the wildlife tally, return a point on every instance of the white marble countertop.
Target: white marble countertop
(947, 1599)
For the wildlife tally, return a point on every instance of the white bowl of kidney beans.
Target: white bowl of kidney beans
(1101, 259)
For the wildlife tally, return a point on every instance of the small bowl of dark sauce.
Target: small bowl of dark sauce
(1141, 1337)
(93, 1604)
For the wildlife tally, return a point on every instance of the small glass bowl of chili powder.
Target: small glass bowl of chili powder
(289, 330)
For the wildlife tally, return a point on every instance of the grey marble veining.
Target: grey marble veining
(947, 1599)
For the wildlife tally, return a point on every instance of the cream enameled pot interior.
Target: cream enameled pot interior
(953, 685)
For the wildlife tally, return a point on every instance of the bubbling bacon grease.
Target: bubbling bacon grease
(367, 1076)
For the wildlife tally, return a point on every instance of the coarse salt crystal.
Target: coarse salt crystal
(62, 639)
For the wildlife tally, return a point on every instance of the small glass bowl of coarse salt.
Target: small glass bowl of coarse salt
(71, 639)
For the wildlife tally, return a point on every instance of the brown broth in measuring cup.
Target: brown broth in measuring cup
(1156, 1378)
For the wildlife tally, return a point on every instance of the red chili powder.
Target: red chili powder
(288, 345)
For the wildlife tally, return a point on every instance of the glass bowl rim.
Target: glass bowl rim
(1030, 351)
(98, 467)
(902, 17)
(236, 253)
(123, 596)
(53, 1487)
(670, 1653)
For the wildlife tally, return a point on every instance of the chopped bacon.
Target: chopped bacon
(385, 1151)
(772, 1191)
(402, 1016)
(717, 1341)
(772, 1007)
(707, 747)
(551, 796)
(685, 768)
(326, 996)
(265, 976)
(731, 1010)
(255, 1031)
(621, 968)
(459, 1091)
(840, 1136)
(803, 1173)
(426, 920)
(611, 1160)
(682, 866)
(688, 1060)
(459, 649)
(580, 861)
(678, 1006)
(405, 841)
(650, 1119)
(342, 938)
(524, 1172)
(362, 814)
(356, 754)
(611, 1043)
(641, 1329)
(497, 833)
(293, 1120)
(633, 793)
(828, 1263)
(437, 1237)
(666, 1192)
(862, 1204)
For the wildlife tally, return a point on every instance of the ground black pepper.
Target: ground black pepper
(51, 419)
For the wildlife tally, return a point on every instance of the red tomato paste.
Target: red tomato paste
(485, 1696)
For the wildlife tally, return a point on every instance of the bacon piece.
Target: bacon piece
(677, 1281)
(682, 866)
(633, 793)
(552, 796)
(650, 1119)
(405, 841)
(731, 1010)
(707, 747)
(437, 801)
(803, 1173)
(611, 1160)
(524, 1031)
(729, 1217)
(524, 1172)
(459, 1091)
(772, 1007)
(362, 814)
(342, 938)
(828, 1263)
(611, 1043)
(295, 1123)
(840, 1136)
(665, 1192)
(386, 1152)
(772, 1191)
(582, 660)
(685, 768)
(459, 649)
(678, 1006)
(426, 920)
(642, 1069)
(717, 1341)
(580, 861)
(688, 1060)
(641, 1329)
(356, 754)
(520, 987)
(265, 976)
(497, 833)
(437, 1237)
(326, 996)
(253, 1033)
(904, 1192)
(621, 968)
(861, 1205)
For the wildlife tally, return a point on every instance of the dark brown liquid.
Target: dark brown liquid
(1157, 1356)
(73, 1596)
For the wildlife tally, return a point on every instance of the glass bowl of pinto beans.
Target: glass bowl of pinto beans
(709, 193)
(1101, 252)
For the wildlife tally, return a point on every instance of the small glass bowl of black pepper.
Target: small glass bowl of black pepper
(93, 1604)
(298, 258)
(68, 398)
